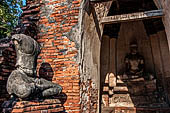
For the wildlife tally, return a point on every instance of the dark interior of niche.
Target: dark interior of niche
(112, 30)
(152, 26)
(131, 6)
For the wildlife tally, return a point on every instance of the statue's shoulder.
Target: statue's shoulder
(27, 44)
(15, 74)
(22, 38)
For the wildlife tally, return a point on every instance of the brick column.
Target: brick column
(59, 50)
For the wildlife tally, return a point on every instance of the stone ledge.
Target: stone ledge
(45, 106)
(134, 110)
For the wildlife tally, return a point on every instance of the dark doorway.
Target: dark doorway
(146, 94)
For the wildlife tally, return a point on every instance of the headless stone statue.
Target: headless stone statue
(23, 81)
(134, 62)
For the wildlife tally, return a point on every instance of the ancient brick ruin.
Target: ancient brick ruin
(83, 50)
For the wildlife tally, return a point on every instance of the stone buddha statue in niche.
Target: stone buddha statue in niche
(134, 62)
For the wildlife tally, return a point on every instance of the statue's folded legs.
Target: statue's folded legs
(48, 88)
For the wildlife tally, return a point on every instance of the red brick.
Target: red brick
(35, 112)
(17, 111)
(63, 65)
(56, 110)
(75, 2)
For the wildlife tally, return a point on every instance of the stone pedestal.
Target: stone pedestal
(46, 106)
(134, 110)
(135, 95)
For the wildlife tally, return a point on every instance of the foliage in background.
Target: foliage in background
(9, 15)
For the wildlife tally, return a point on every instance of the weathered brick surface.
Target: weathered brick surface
(90, 97)
(46, 106)
(59, 51)
(7, 63)
(91, 42)
(30, 12)
(57, 61)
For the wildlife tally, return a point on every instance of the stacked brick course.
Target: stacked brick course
(31, 15)
(8, 58)
(59, 24)
(57, 61)
(89, 97)
(46, 106)
(57, 18)
(7, 64)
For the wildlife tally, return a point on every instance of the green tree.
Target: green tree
(9, 15)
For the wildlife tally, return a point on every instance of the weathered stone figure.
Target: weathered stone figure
(134, 62)
(23, 81)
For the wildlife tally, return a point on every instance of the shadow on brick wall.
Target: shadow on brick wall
(46, 72)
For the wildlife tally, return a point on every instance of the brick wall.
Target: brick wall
(8, 58)
(7, 64)
(70, 50)
(89, 97)
(58, 59)
(70, 38)
(92, 32)
(59, 50)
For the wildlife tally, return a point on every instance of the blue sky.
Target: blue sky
(24, 2)
(18, 6)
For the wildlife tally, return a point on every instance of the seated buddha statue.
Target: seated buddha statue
(134, 62)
